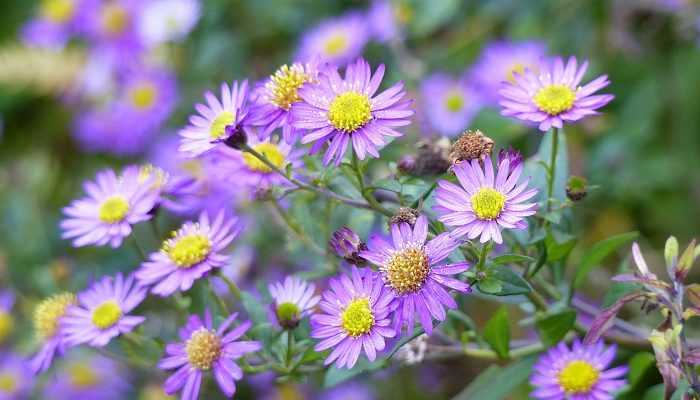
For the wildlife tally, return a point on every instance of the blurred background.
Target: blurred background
(641, 155)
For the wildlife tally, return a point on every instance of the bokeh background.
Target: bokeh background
(641, 156)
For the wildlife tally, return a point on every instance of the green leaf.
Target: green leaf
(496, 383)
(511, 283)
(497, 332)
(552, 328)
(391, 185)
(639, 364)
(559, 246)
(598, 252)
(256, 311)
(512, 259)
(489, 286)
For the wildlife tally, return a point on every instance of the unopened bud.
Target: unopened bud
(472, 145)
(576, 188)
(347, 245)
(236, 137)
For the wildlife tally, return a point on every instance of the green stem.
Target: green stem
(290, 346)
(296, 229)
(365, 191)
(552, 168)
(485, 250)
(219, 300)
(232, 287)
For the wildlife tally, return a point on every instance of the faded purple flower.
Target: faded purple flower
(336, 40)
(449, 104)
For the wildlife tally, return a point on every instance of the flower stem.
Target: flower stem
(219, 300)
(290, 346)
(296, 229)
(365, 191)
(552, 168)
(232, 287)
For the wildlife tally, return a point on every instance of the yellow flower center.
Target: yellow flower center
(285, 83)
(357, 317)
(143, 96)
(203, 348)
(188, 250)
(407, 270)
(8, 382)
(578, 377)
(554, 99)
(150, 171)
(113, 209)
(271, 151)
(106, 314)
(488, 203)
(82, 375)
(114, 18)
(336, 44)
(48, 312)
(517, 68)
(218, 126)
(7, 325)
(349, 111)
(454, 101)
(57, 11)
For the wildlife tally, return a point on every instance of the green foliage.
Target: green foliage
(598, 252)
(553, 327)
(497, 332)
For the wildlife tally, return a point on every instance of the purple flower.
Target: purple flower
(168, 20)
(88, 377)
(56, 22)
(577, 373)
(47, 318)
(338, 110)
(112, 205)
(204, 349)
(500, 61)
(102, 312)
(112, 25)
(347, 245)
(276, 96)
(484, 203)
(449, 104)
(355, 316)
(347, 391)
(336, 40)
(191, 253)
(385, 20)
(293, 300)
(16, 378)
(216, 120)
(148, 96)
(553, 96)
(410, 269)
(7, 321)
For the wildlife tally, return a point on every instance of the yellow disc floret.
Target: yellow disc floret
(143, 96)
(285, 83)
(349, 111)
(82, 376)
(488, 203)
(48, 312)
(518, 69)
(114, 18)
(554, 99)
(203, 348)
(336, 44)
(454, 101)
(407, 270)
(218, 126)
(357, 317)
(271, 151)
(7, 325)
(187, 250)
(8, 382)
(114, 209)
(106, 314)
(578, 377)
(57, 11)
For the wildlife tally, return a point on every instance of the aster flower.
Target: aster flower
(191, 253)
(47, 317)
(293, 300)
(276, 96)
(500, 61)
(204, 349)
(147, 95)
(102, 312)
(578, 373)
(7, 321)
(339, 110)
(336, 40)
(387, 19)
(553, 96)
(56, 21)
(112, 24)
(111, 206)
(217, 119)
(16, 378)
(483, 204)
(168, 20)
(347, 245)
(449, 104)
(410, 268)
(355, 316)
(86, 376)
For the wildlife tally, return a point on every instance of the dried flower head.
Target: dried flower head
(471, 145)
(432, 158)
(404, 214)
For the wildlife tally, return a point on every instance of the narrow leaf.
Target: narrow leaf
(603, 322)
(512, 259)
(497, 332)
(554, 327)
(496, 383)
(598, 252)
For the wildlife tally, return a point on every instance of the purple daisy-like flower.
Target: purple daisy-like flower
(500, 61)
(409, 267)
(336, 40)
(339, 110)
(16, 378)
(387, 20)
(216, 120)
(449, 104)
(86, 376)
(55, 23)
(552, 96)
(47, 323)
(112, 205)
(355, 316)
(112, 25)
(276, 96)
(7, 321)
(204, 349)
(191, 253)
(293, 300)
(485, 202)
(579, 373)
(102, 312)
(147, 95)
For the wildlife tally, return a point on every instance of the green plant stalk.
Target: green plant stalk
(365, 191)
(296, 229)
(552, 168)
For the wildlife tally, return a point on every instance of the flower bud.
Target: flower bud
(514, 157)
(347, 245)
(576, 188)
(288, 315)
(235, 137)
(470, 146)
